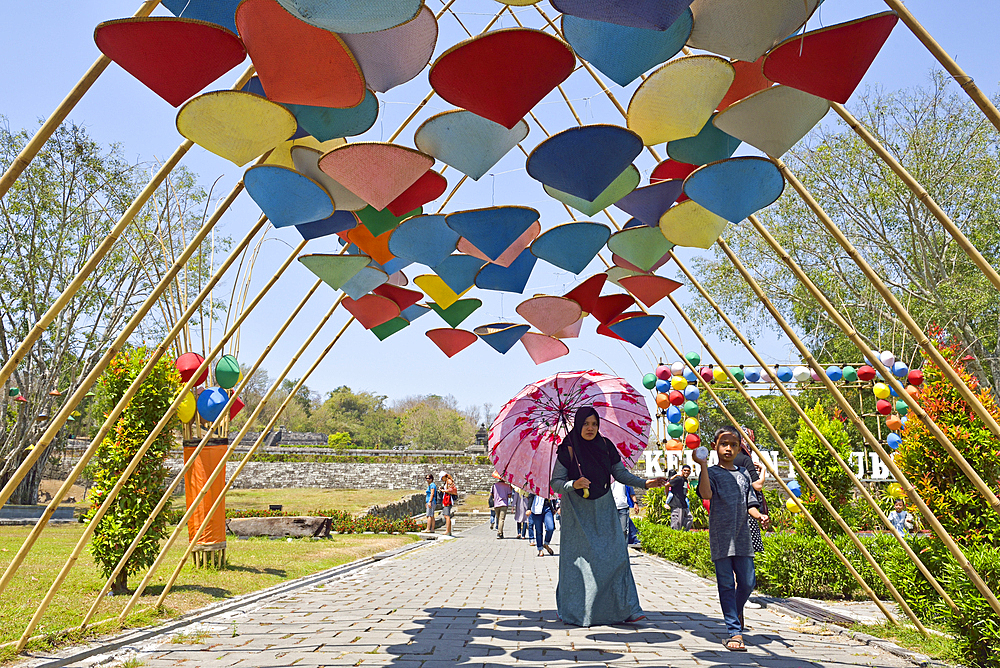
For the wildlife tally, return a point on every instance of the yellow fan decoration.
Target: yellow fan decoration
(235, 125)
(691, 224)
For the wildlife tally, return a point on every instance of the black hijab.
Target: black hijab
(590, 459)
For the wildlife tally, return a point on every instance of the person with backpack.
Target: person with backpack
(449, 497)
(501, 499)
(430, 500)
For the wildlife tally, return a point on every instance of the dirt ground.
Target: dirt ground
(50, 487)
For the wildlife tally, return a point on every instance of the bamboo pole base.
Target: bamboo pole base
(214, 559)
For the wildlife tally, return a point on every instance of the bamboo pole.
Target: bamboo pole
(933, 353)
(819, 435)
(70, 404)
(56, 118)
(918, 190)
(243, 462)
(887, 460)
(136, 459)
(848, 409)
(168, 492)
(963, 79)
(246, 427)
(74, 286)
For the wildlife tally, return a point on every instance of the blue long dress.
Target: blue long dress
(595, 579)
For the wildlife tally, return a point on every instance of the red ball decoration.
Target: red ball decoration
(915, 377)
(187, 364)
(883, 407)
(692, 441)
(866, 373)
(706, 374)
(662, 372)
(676, 398)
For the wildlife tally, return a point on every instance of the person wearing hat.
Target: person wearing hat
(449, 500)
(430, 500)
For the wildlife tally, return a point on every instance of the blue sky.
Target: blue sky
(48, 51)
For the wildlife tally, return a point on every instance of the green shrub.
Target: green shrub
(658, 512)
(822, 466)
(688, 548)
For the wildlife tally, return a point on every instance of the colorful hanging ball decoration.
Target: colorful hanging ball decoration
(912, 391)
(663, 372)
(677, 368)
(675, 431)
(793, 506)
(887, 358)
(674, 415)
(187, 408)
(662, 401)
(693, 357)
(691, 409)
(765, 377)
(673, 444)
(13, 392)
(211, 402)
(894, 423)
(706, 374)
(692, 393)
(850, 374)
(892, 391)
(881, 390)
(883, 407)
(649, 381)
(784, 374)
(866, 373)
(676, 398)
(690, 376)
(895, 490)
(692, 440)
(718, 374)
(900, 370)
(751, 375)
(187, 364)
(227, 372)
(793, 485)
(662, 385)
(902, 408)
(893, 441)
(691, 425)
(737, 373)
(678, 383)
(915, 377)
(801, 374)
(834, 373)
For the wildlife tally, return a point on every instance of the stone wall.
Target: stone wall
(406, 507)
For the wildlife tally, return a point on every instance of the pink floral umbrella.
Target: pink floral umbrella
(527, 431)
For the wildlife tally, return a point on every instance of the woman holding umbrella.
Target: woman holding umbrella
(595, 579)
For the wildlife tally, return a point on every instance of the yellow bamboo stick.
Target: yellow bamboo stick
(168, 493)
(74, 286)
(848, 409)
(56, 118)
(933, 353)
(246, 427)
(907, 487)
(819, 435)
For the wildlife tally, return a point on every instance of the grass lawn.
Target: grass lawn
(305, 500)
(253, 565)
(937, 646)
(477, 501)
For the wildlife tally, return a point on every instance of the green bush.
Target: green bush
(822, 466)
(687, 548)
(658, 512)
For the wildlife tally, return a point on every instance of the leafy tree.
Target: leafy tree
(821, 466)
(134, 503)
(433, 422)
(363, 415)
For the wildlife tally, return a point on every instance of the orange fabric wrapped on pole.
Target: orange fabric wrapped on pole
(212, 455)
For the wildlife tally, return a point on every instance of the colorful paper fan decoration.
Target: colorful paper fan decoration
(749, 79)
(235, 406)
(306, 160)
(376, 247)
(509, 255)
(830, 62)
(616, 274)
(621, 263)
(507, 279)
(492, 230)
(298, 63)
(458, 271)
(691, 224)
(352, 16)
(435, 288)
(424, 239)
(188, 407)
(335, 270)
(364, 282)
(735, 188)
(774, 119)
(623, 53)
(584, 161)
(502, 74)
(403, 298)
(427, 188)
(387, 329)
(415, 311)
(636, 329)
(621, 186)
(340, 221)
(501, 336)
(187, 364)
(571, 246)
(548, 314)
(285, 196)
(233, 125)
(710, 145)
(174, 58)
(649, 14)
(455, 314)
(648, 289)
(642, 246)
(469, 143)
(542, 348)
(451, 341)
(325, 123)
(519, 3)
(371, 310)
(219, 12)
(678, 99)
(380, 222)
(227, 371)
(572, 330)
(393, 56)
(670, 170)
(587, 293)
(374, 171)
(610, 307)
(649, 203)
(746, 29)
(282, 153)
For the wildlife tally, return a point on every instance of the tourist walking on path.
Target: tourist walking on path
(521, 512)
(732, 498)
(542, 521)
(680, 511)
(501, 498)
(595, 579)
(430, 499)
(449, 500)
(620, 493)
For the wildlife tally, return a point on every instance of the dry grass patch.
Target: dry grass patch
(478, 501)
(303, 501)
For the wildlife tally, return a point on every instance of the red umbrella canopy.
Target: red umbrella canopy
(527, 431)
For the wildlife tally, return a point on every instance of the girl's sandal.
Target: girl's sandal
(735, 644)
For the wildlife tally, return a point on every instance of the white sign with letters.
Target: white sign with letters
(658, 462)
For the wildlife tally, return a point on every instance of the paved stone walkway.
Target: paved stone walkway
(478, 601)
